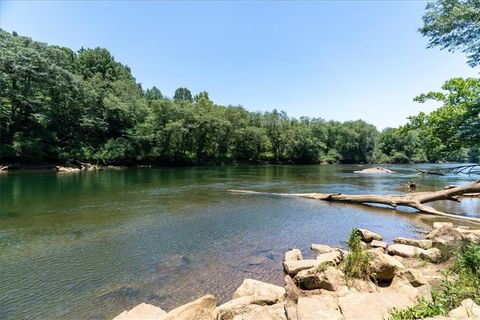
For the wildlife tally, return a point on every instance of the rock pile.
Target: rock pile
(316, 288)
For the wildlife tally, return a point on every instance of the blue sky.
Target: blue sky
(335, 60)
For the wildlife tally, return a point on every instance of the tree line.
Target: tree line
(58, 105)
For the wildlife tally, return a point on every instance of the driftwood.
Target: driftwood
(415, 200)
(465, 169)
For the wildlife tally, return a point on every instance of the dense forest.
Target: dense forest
(58, 105)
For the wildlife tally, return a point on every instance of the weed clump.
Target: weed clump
(356, 264)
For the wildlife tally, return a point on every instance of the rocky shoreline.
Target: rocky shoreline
(401, 274)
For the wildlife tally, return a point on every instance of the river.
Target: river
(88, 245)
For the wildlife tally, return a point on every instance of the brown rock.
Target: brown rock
(384, 266)
(259, 289)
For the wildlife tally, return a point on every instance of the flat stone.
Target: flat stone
(404, 250)
(255, 312)
(378, 244)
(255, 288)
(438, 225)
(319, 307)
(292, 267)
(142, 311)
(368, 236)
(203, 308)
(423, 244)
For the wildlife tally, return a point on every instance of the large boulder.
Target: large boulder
(433, 255)
(330, 279)
(319, 249)
(255, 288)
(319, 307)
(203, 308)
(384, 266)
(404, 250)
(142, 311)
(423, 244)
(368, 236)
(293, 255)
(467, 310)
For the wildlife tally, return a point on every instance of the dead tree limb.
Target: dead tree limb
(469, 169)
(416, 200)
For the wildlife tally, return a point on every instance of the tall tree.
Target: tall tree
(454, 25)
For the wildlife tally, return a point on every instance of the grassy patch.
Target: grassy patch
(453, 292)
(356, 264)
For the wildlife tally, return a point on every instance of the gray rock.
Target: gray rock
(330, 279)
(423, 244)
(404, 250)
(378, 244)
(319, 249)
(368, 236)
(433, 255)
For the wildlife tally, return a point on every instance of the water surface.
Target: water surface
(88, 245)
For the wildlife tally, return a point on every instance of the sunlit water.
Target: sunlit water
(89, 245)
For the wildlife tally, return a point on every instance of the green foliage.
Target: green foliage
(356, 264)
(57, 105)
(454, 25)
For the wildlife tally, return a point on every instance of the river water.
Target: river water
(89, 245)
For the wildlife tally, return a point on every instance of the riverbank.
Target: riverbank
(372, 279)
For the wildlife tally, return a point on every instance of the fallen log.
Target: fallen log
(415, 200)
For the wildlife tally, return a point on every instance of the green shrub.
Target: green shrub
(357, 262)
